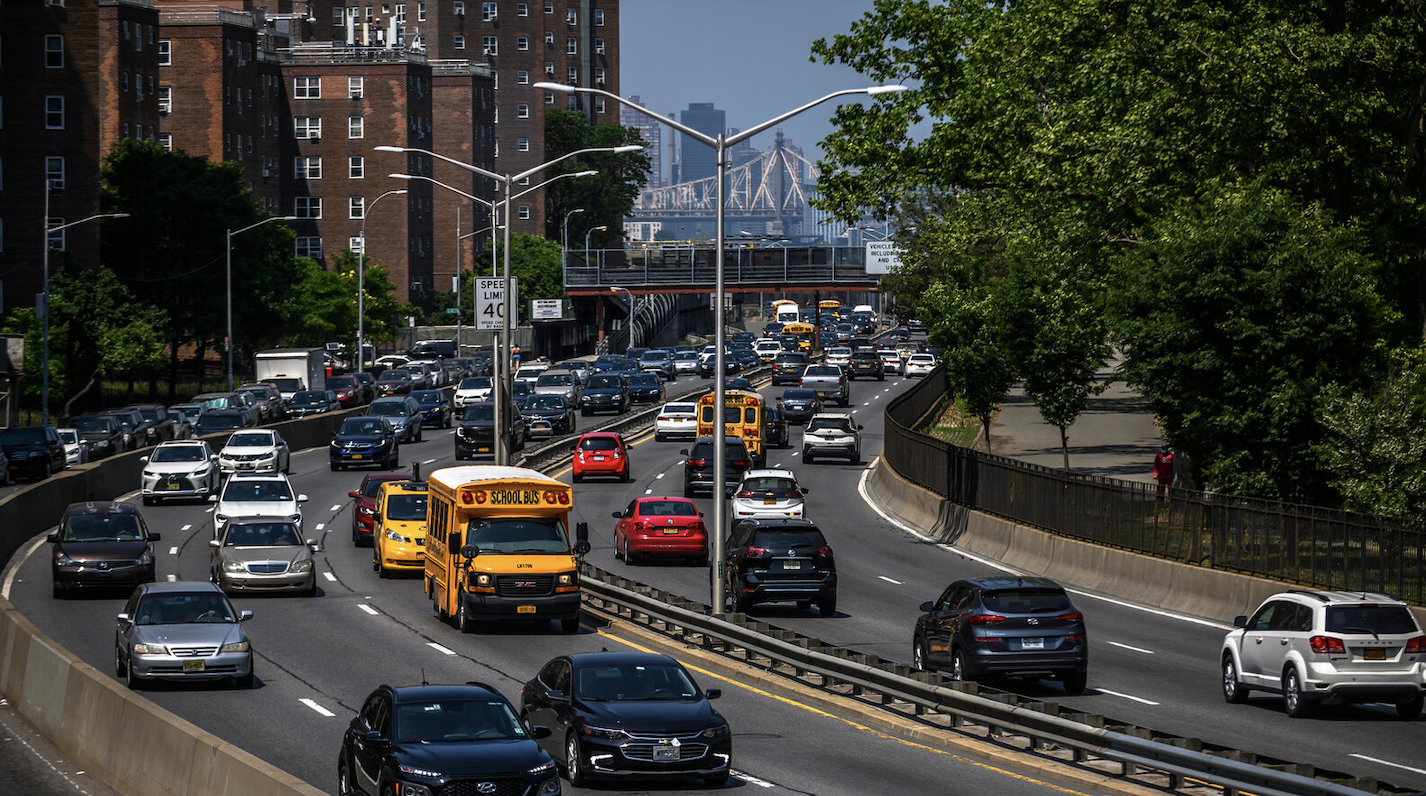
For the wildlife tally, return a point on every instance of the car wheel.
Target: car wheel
(1233, 689)
(958, 666)
(626, 476)
(827, 606)
(344, 782)
(132, 680)
(49, 469)
(420, 433)
(584, 413)
(463, 623)
(881, 378)
(918, 655)
(631, 558)
(741, 601)
(857, 457)
(687, 491)
(806, 454)
(335, 467)
(658, 437)
(1292, 699)
(717, 781)
(119, 668)
(573, 766)
(148, 500)
(570, 625)
(578, 477)
(1075, 682)
(619, 554)
(1410, 709)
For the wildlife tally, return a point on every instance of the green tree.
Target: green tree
(1374, 448)
(535, 264)
(605, 197)
(329, 305)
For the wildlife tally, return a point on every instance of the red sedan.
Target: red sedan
(663, 527)
(364, 512)
(601, 453)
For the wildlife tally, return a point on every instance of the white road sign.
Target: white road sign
(546, 309)
(882, 257)
(489, 304)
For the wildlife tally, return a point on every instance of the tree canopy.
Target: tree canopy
(605, 198)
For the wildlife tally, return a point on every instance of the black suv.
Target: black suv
(451, 739)
(1003, 626)
(475, 435)
(134, 424)
(777, 560)
(866, 364)
(33, 451)
(161, 427)
(102, 433)
(787, 367)
(698, 465)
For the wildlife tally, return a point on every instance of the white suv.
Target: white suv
(769, 493)
(1327, 647)
(831, 434)
(256, 495)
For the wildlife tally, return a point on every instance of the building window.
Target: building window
(571, 17)
(308, 127)
(356, 244)
(54, 172)
(522, 77)
(571, 103)
(309, 247)
(57, 239)
(549, 67)
(549, 6)
(306, 168)
(460, 8)
(356, 207)
(523, 212)
(307, 206)
(598, 104)
(165, 99)
(355, 84)
(598, 46)
(421, 12)
(401, 13)
(522, 9)
(571, 46)
(598, 17)
(306, 88)
(356, 167)
(459, 42)
(522, 42)
(522, 111)
(549, 38)
(356, 127)
(339, 17)
(598, 75)
(165, 52)
(54, 52)
(489, 46)
(54, 113)
(165, 140)
(487, 12)
(549, 98)
(522, 145)
(572, 76)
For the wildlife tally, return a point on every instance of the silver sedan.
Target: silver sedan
(263, 554)
(182, 631)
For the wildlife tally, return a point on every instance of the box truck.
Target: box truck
(292, 369)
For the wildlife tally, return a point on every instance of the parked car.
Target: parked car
(255, 451)
(605, 392)
(102, 432)
(313, 402)
(34, 452)
(660, 527)
(182, 631)
(435, 408)
(263, 554)
(402, 412)
(645, 388)
(472, 389)
(159, 426)
(601, 453)
(676, 418)
(779, 560)
(446, 739)
(364, 508)
(1327, 648)
(364, 440)
(627, 714)
(547, 415)
(475, 436)
(99, 545)
(256, 495)
(76, 449)
(217, 420)
(268, 399)
(830, 434)
(698, 469)
(798, 404)
(1003, 626)
(179, 469)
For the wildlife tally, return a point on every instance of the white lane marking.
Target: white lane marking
(321, 525)
(173, 551)
(186, 527)
(329, 576)
(794, 453)
(868, 403)
(14, 566)
(889, 580)
(866, 498)
(649, 491)
(1386, 763)
(1134, 649)
(1140, 700)
(429, 461)
(660, 475)
(368, 609)
(313, 705)
(438, 648)
(337, 507)
(750, 779)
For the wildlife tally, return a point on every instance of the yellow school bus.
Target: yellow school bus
(498, 546)
(744, 417)
(830, 305)
(803, 332)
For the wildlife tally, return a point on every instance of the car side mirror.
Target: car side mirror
(713, 693)
(53, 538)
(144, 459)
(927, 607)
(540, 731)
(581, 535)
(154, 536)
(354, 494)
(214, 543)
(373, 736)
(683, 452)
(470, 551)
(556, 696)
(244, 616)
(1240, 621)
(123, 617)
(859, 428)
(618, 515)
(301, 498)
(212, 498)
(316, 548)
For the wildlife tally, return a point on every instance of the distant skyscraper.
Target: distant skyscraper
(698, 160)
(652, 131)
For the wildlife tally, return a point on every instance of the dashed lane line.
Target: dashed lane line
(1132, 649)
(368, 609)
(320, 710)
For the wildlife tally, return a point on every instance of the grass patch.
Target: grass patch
(949, 421)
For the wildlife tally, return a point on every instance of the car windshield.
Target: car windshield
(456, 721)
(152, 415)
(686, 356)
(406, 507)
(1369, 618)
(605, 381)
(178, 453)
(545, 402)
(263, 491)
(668, 508)
(829, 424)
(339, 382)
(430, 397)
(250, 439)
(365, 426)
(799, 395)
(177, 608)
(1026, 600)
(102, 528)
(554, 380)
(782, 539)
(191, 411)
(679, 409)
(475, 383)
(262, 534)
(635, 682)
(768, 485)
(370, 487)
(23, 436)
(654, 356)
(643, 380)
(395, 375)
(517, 535)
(389, 409)
(221, 402)
(784, 359)
(479, 412)
(519, 389)
(599, 444)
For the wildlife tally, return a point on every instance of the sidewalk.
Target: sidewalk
(1115, 436)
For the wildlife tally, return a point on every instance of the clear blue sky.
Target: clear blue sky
(747, 57)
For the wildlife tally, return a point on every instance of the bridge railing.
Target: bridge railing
(698, 266)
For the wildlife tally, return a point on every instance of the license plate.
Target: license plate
(792, 565)
(1374, 654)
(170, 486)
(483, 449)
(666, 751)
(356, 455)
(524, 609)
(598, 458)
(670, 531)
(193, 666)
(1032, 643)
(769, 502)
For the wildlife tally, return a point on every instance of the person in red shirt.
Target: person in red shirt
(1163, 469)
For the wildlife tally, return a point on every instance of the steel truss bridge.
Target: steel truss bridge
(681, 268)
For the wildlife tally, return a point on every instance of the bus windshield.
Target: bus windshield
(517, 535)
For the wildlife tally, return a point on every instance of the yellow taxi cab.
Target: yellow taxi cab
(399, 533)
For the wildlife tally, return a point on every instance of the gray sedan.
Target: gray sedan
(182, 631)
(263, 554)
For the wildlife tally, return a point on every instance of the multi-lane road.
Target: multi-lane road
(317, 657)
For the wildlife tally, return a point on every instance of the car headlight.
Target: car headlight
(482, 580)
(305, 565)
(64, 560)
(567, 579)
(367, 511)
(236, 646)
(200, 471)
(145, 558)
(148, 474)
(418, 772)
(336, 444)
(221, 519)
(607, 734)
(394, 536)
(295, 517)
(234, 567)
(715, 732)
(150, 649)
(548, 765)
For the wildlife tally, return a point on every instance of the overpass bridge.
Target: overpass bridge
(678, 267)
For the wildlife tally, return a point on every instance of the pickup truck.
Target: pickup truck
(829, 382)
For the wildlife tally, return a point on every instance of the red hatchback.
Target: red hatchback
(601, 453)
(663, 527)
(364, 512)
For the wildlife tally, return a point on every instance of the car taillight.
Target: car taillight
(746, 493)
(580, 454)
(663, 418)
(616, 453)
(794, 494)
(698, 462)
(986, 619)
(1417, 644)
(638, 526)
(1324, 645)
(1072, 616)
(757, 551)
(824, 550)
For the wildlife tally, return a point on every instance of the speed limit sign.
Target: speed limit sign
(489, 304)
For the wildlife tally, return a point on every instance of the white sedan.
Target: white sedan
(675, 419)
(472, 389)
(254, 451)
(840, 356)
(179, 469)
(920, 365)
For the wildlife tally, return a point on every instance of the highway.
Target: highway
(318, 657)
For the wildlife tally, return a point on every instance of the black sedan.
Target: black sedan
(627, 714)
(102, 432)
(442, 739)
(645, 388)
(546, 415)
(435, 408)
(313, 402)
(605, 392)
(799, 404)
(365, 440)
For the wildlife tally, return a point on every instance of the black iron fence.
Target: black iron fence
(1311, 545)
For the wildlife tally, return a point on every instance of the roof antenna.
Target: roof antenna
(423, 676)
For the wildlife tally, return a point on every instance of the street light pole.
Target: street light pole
(586, 240)
(45, 298)
(361, 285)
(720, 145)
(632, 305)
(564, 242)
(231, 233)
